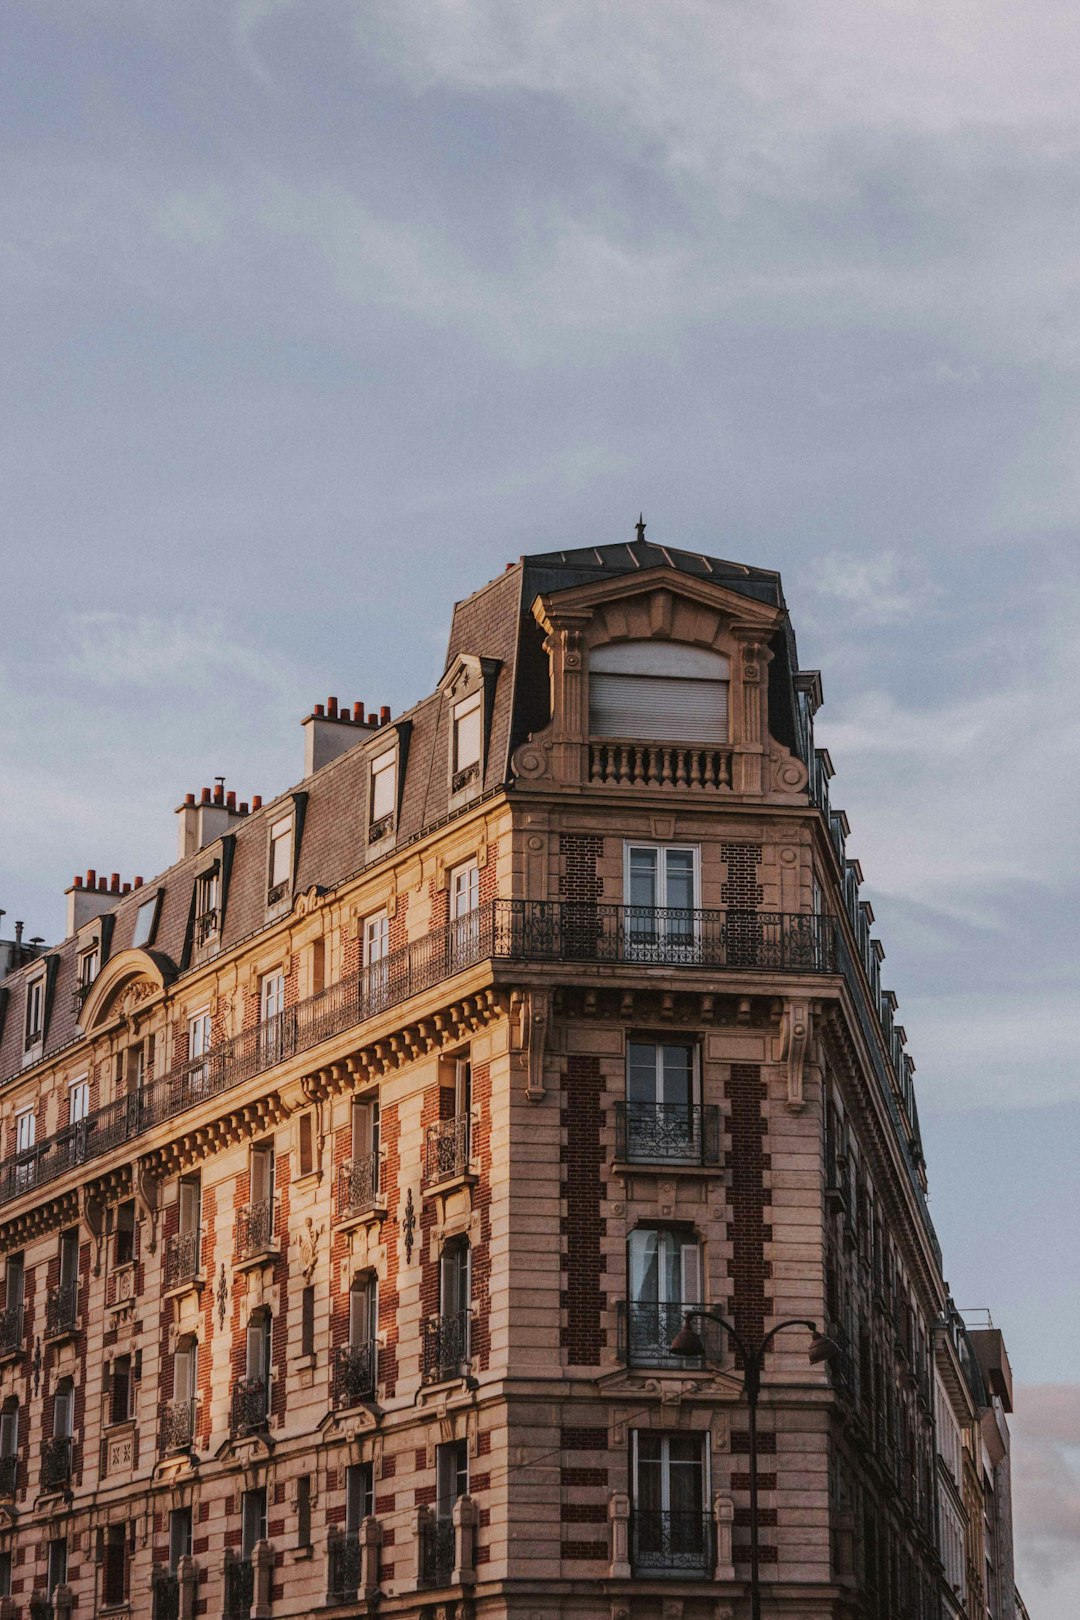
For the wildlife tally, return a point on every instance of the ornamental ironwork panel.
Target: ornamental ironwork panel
(165, 1594)
(667, 1133)
(446, 1149)
(178, 1428)
(677, 1542)
(239, 1587)
(343, 1571)
(647, 1328)
(181, 1258)
(254, 1229)
(56, 1462)
(358, 1186)
(11, 1330)
(41, 1607)
(437, 1551)
(9, 1473)
(446, 1346)
(61, 1305)
(354, 1373)
(250, 1404)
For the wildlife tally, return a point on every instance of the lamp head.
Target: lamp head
(687, 1342)
(823, 1348)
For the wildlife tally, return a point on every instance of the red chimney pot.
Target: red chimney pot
(189, 798)
(358, 713)
(372, 719)
(331, 707)
(138, 883)
(243, 807)
(103, 887)
(205, 796)
(126, 889)
(384, 715)
(114, 881)
(318, 711)
(230, 800)
(91, 878)
(219, 793)
(256, 803)
(78, 883)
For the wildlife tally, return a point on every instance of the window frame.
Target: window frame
(467, 742)
(383, 794)
(279, 864)
(34, 1031)
(142, 932)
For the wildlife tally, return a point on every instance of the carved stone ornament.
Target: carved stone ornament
(306, 903)
(222, 1298)
(408, 1226)
(532, 1019)
(138, 991)
(307, 1241)
(790, 1049)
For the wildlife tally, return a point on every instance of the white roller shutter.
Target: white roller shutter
(653, 707)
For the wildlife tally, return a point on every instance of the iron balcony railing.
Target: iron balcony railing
(647, 1327)
(509, 930)
(446, 1346)
(250, 1405)
(446, 1149)
(11, 1331)
(9, 1473)
(239, 1587)
(358, 1187)
(254, 1229)
(343, 1567)
(41, 1606)
(165, 1594)
(354, 1373)
(181, 1258)
(667, 1133)
(673, 1543)
(56, 1462)
(61, 1309)
(437, 1551)
(178, 1426)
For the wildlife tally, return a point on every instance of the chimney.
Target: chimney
(205, 818)
(85, 901)
(329, 730)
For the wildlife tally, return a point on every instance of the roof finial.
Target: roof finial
(640, 527)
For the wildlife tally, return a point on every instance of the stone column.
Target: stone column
(465, 1517)
(619, 1517)
(723, 1519)
(262, 1558)
(187, 1576)
(370, 1543)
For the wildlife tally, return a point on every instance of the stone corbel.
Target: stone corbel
(262, 1557)
(531, 1010)
(619, 1519)
(790, 1048)
(723, 1519)
(147, 1190)
(92, 1213)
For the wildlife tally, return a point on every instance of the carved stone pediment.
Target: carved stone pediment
(127, 983)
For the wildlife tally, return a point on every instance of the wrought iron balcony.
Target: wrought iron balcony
(666, 936)
(250, 1405)
(9, 1474)
(61, 1309)
(182, 1258)
(11, 1331)
(671, 1543)
(354, 1373)
(41, 1606)
(667, 1133)
(437, 1550)
(647, 1327)
(239, 1587)
(446, 1149)
(343, 1567)
(446, 1346)
(255, 1229)
(206, 926)
(358, 1187)
(165, 1594)
(56, 1462)
(178, 1426)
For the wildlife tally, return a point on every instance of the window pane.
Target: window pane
(641, 1073)
(643, 877)
(644, 1266)
(467, 733)
(678, 1075)
(280, 852)
(680, 878)
(383, 779)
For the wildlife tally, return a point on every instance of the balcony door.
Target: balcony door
(464, 915)
(661, 1101)
(661, 888)
(671, 1529)
(664, 1267)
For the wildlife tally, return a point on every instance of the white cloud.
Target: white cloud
(1046, 1497)
(873, 591)
(127, 650)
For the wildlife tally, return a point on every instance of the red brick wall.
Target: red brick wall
(582, 1156)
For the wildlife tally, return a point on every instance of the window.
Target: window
(124, 1239)
(661, 894)
(114, 1578)
(25, 1137)
(363, 1310)
(664, 1273)
(121, 1390)
(671, 1528)
(468, 742)
(454, 1277)
(305, 1134)
(186, 1370)
(5, 1574)
(15, 1282)
(78, 1100)
(252, 1522)
(451, 1476)
(662, 690)
(376, 950)
(64, 1410)
(464, 914)
(662, 1119)
(271, 1008)
(307, 1321)
(146, 921)
(89, 962)
(35, 1010)
(365, 1128)
(200, 1027)
(65, 1303)
(272, 994)
(262, 1173)
(57, 1565)
(303, 1510)
(9, 1441)
(259, 1335)
(189, 1204)
(464, 889)
(280, 876)
(179, 1535)
(207, 903)
(383, 794)
(359, 1496)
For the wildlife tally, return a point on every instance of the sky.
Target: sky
(316, 314)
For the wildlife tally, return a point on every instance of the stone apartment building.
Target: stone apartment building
(358, 1171)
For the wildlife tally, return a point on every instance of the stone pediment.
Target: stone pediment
(125, 984)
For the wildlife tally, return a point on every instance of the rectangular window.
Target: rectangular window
(179, 1535)
(69, 1258)
(303, 1510)
(189, 1200)
(124, 1239)
(262, 1173)
(253, 1522)
(363, 1311)
(64, 1410)
(376, 938)
(9, 1431)
(468, 741)
(15, 1282)
(120, 1388)
(662, 1118)
(464, 889)
(383, 790)
(186, 1371)
(359, 1496)
(78, 1100)
(365, 1129)
(660, 888)
(305, 1131)
(670, 1493)
(114, 1578)
(272, 995)
(35, 1010)
(57, 1565)
(281, 841)
(271, 1009)
(454, 1277)
(146, 921)
(307, 1321)
(207, 905)
(451, 1476)
(199, 1030)
(88, 967)
(5, 1574)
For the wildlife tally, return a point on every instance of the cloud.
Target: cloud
(1046, 1488)
(873, 591)
(127, 650)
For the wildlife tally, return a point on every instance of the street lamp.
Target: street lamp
(689, 1343)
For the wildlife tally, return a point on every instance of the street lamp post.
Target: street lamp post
(689, 1343)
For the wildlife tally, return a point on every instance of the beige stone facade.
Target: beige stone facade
(359, 1170)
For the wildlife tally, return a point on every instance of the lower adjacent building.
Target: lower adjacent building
(361, 1169)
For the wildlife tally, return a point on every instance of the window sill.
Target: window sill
(255, 1261)
(190, 1285)
(365, 1217)
(668, 1168)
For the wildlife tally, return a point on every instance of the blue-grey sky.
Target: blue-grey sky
(314, 315)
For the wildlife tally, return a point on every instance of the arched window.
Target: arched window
(662, 690)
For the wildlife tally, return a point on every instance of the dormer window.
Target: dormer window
(35, 1010)
(207, 905)
(281, 852)
(383, 795)
(88, 964)
(146, 918)
(468, 742)
(663, 690)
